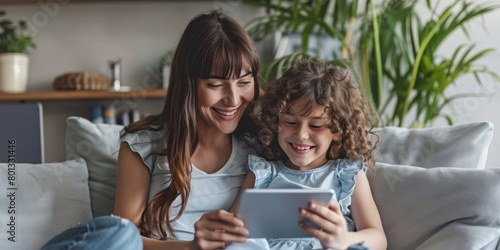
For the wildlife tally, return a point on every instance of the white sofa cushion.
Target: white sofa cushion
(98, 144)
(463, 145)
(437, 208)
(41, 201)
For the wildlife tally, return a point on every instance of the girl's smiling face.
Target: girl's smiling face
(305, 139)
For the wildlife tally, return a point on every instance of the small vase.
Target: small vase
(13, 72)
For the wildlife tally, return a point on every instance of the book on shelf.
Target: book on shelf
(110, 115)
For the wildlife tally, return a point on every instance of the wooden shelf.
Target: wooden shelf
(54, 95)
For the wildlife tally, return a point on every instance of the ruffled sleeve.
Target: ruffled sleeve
(347, 171)
(264, 170)
(144, 142)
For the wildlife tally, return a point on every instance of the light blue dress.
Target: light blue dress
(338, 175)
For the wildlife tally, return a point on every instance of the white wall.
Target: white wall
(83, 37)
(76, 37)
(485, 33)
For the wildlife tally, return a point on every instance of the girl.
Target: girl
(315, 136)
(179, 171)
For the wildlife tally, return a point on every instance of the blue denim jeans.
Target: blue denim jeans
(106, 232)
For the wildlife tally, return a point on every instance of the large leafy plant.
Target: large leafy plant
(14, 38)
(395, 49)
(408, 64)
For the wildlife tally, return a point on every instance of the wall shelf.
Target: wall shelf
(83, 95)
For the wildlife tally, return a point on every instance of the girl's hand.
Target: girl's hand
(333, 232)
(216, 229)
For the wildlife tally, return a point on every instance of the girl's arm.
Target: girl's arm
(334, 234)
(366, 216)
(249, 182)
(132, 191)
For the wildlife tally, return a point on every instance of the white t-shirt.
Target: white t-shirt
(209, 192)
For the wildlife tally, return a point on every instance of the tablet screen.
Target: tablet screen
(274, 213)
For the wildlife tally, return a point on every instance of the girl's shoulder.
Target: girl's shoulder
(347, 171)
(263, 167)
(265, 171)
(347, 166)
(259, 163)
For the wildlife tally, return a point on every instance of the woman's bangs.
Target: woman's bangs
(226, 61)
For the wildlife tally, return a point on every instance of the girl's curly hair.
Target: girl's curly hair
(331, 86)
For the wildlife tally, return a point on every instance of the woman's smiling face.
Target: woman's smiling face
(222, 102)
(305, 139)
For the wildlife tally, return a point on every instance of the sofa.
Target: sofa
(430, 185)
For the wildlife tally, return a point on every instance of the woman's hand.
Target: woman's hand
(216, 229)
(333, 232)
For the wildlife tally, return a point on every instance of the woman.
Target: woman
(180, 171)
(190, 159)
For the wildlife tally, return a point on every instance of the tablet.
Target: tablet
(274, 213)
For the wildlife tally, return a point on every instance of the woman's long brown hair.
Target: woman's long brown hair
(211, 42)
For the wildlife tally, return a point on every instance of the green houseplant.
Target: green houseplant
(393, 47)
(14, 45)
(408, 64)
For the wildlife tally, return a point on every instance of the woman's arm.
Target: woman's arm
(132, 191)
(132, 185)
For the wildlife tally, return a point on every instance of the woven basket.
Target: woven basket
(82, 81)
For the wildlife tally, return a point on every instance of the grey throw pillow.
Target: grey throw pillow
(463, 145)
(41, 200)
(98, 144)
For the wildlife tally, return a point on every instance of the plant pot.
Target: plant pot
(13, 72)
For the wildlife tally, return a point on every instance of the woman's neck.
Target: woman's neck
(212, 152)
(213, 139)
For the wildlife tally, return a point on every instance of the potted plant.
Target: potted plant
(394, 48)
(14, 45)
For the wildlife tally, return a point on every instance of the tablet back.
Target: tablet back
(274, 213)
